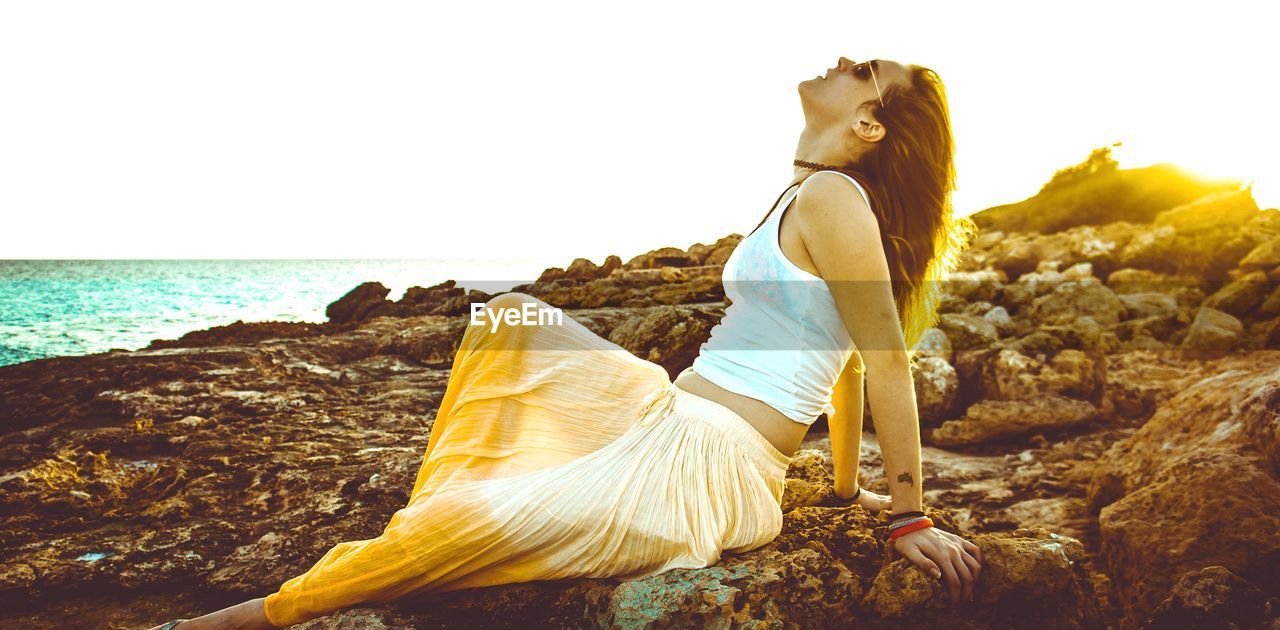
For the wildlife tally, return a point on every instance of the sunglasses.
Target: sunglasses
(867, 70)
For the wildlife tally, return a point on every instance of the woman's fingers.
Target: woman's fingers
(972, 557)
(912, 552)
(965, 570)
(943, 554)
(953, 571)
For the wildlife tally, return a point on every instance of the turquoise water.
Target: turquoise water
(68, 307)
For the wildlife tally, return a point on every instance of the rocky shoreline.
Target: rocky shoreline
(1099, 404)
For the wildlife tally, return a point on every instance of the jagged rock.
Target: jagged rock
(445, 298)
(1213, 330)
(358, 303)
(1203, 238)
(1270, 307)
(999, 317)
(662, 257)
(1007, 374)
(431, 296)
(809, 480)
(1150, 304)
(1187, 290)
(1221, 432)
(1081, 334)
(1212, 597)
(240, 331)
(1264, 257)
(633, 287)
(1046, 277)
(1040, 562)
(970, 286)
(1231, 208)
(1155, 534)
(717, 253)
(936, 387)
(1071, 300)
(991, 420)
(1138, 382)
(582, 269)
(934, 343)
(967, 331)
(1235, 408)
(667, 335)
(1241, 297)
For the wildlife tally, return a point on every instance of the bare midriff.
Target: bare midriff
(784, 433)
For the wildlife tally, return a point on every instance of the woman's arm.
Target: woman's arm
(846, 437)
(846, 427)
(842, 237)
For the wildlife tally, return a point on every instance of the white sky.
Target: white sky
(470, 129)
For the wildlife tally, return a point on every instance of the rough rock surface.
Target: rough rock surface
(1221, 434)
(1107, 392)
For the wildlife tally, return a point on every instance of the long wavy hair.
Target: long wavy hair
(909, 176)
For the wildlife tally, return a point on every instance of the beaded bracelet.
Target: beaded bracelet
(896, 524)
(906, 529)
(894, 517)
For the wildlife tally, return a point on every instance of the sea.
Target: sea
(74, 307)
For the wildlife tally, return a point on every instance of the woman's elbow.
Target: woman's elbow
(882, 361)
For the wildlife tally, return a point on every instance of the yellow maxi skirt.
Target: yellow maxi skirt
(557, 454)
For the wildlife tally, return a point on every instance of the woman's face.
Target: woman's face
(837, 95)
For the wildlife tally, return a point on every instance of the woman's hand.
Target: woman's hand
(872, 501)
(943, 555)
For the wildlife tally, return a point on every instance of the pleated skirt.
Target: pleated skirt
(557, 454)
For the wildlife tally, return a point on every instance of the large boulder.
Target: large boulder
(1072, 300)
(1242, 296)
(1196, 486)
(936, 388)
(968, 331)
(1264, 257)
(1213, 331)
(1212, 597)
(1003, 420)
(667, 335)
(1203, 238)
(1161, 531)
(1070, 372)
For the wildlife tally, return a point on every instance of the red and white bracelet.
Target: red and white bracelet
(907, 526)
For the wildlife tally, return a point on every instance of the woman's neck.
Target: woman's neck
(820, 145)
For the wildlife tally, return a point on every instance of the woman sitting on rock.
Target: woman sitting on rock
(558, 454)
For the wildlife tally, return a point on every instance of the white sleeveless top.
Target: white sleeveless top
(781, 340)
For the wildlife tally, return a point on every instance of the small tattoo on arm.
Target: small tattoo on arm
(906, 478)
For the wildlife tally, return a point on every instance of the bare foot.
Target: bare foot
(248, 615)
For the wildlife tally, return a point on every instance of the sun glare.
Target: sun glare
(1249, 166)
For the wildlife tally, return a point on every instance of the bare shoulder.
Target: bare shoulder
(836, 223)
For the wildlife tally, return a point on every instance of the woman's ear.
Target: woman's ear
(867, 128)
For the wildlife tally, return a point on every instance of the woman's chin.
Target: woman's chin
(809, 82)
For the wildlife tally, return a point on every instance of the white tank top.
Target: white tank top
(781, 340)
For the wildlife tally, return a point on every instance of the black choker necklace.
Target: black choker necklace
(815, 166)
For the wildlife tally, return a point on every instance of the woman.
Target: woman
(557, 454)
